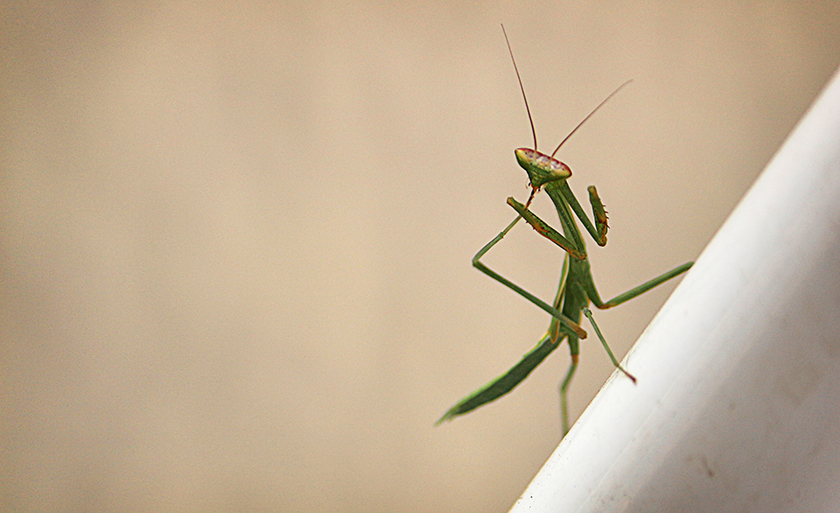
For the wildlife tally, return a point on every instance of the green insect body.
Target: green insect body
(576, 289)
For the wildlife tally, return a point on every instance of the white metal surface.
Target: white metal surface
(738, 402)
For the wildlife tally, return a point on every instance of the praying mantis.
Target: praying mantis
(576, 289)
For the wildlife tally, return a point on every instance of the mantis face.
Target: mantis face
(540, 167)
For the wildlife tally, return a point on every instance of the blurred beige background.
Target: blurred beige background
(236, 239)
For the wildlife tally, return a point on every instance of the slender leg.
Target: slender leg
(568, 325)
(630, 294)
(588, 313)
(564, 388)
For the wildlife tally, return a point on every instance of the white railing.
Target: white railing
(738, 402)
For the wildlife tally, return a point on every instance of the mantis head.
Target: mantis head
(540, 167)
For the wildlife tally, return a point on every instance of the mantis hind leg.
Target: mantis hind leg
(564, 389)
(564, 386)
